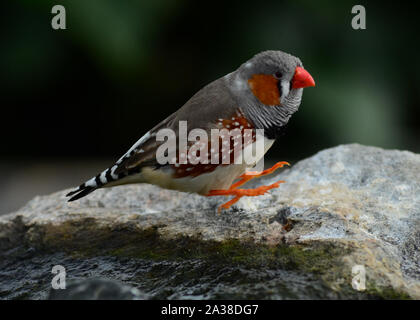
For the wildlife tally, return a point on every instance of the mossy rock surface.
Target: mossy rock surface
(346, 206)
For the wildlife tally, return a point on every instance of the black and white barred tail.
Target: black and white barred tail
(96, 182)
(107, 176)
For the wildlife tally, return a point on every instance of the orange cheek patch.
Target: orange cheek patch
(264, 87)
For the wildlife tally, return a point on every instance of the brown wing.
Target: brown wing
(203, 110)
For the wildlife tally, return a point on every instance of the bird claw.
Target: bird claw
(239, 193)
(255, 174)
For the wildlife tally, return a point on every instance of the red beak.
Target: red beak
(302, 79)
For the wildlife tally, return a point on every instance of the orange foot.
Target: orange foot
(239, 193)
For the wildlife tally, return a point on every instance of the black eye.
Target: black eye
(278, 75)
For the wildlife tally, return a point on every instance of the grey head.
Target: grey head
(268, 88)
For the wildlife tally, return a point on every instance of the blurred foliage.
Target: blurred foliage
(122, 66)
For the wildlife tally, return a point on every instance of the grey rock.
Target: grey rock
(346, 206)
(96, 289)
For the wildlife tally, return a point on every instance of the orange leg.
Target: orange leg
(255, 174)
(239, 193)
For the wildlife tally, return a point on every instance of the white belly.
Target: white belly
(220, 178)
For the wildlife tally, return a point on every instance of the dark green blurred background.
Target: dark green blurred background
(74, 100)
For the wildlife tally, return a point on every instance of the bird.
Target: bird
(257, 100)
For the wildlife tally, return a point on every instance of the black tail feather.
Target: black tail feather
(96, 182)
(75, 191)
(80, 192)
